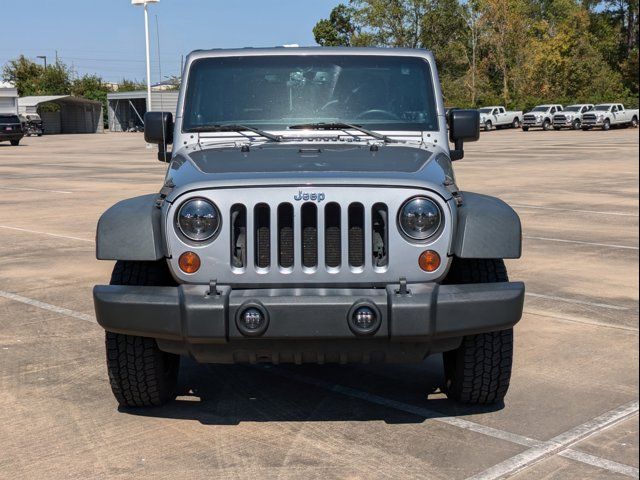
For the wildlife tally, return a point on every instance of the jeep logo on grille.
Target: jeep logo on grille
(313, 196)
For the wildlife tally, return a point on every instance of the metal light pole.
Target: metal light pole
(146, 37)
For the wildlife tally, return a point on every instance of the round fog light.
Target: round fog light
(252, 320)
(364, 319)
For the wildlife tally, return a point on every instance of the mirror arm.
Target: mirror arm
(458, 152)
(163, 155)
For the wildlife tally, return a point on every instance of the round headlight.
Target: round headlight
(198, 219)
(420, 218)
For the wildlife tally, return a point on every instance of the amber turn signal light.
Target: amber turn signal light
(429, 261)
(189, 262)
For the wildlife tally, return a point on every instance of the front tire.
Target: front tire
(576, 125)
(546, 125)
(140, 374)
(487, 126)
(15, 143)
(606, 126)
(525, 129)
(634, 122)
(478, 372)
(516, 123)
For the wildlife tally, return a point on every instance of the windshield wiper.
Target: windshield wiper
(341, 126)
(233, 127)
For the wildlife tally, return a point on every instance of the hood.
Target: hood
(199, 167)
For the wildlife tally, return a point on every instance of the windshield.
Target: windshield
(9, 119)
(602, 108)
(540, 109)
(486, 110)
(573, 108)
(274, 92)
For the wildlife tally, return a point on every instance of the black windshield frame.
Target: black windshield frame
(415, 70)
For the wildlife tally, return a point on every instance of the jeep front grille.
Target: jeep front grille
(329, 235)
(318, 238)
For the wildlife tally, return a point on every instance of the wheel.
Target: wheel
(39, 134)
(15, 143)
(516, 123)
(140, 374)
(576, 125)
(584, 129)
(525, 129)
(546, 125)
(557, 129)
(606, 125)
(634, 122)
(487, 126)
(479, 370)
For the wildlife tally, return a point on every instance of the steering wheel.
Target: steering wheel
(376, 113)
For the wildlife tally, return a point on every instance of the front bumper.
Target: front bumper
(532, 123)
(6, 136)
(187, 319)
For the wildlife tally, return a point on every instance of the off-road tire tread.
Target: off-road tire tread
(140, 374)
(479, 371)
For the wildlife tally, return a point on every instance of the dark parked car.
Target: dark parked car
(10, 128)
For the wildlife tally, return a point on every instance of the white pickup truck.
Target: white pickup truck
(571, 117)
(499, 117)
(607, 115)
(540, 116)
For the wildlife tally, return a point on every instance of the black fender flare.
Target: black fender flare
(131, 230)
(487, 228)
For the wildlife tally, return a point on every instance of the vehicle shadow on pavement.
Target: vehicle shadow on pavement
(232, 394)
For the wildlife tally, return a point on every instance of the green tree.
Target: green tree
(337, 30)
(24, 74)
(127, 85)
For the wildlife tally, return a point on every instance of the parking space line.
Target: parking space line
(594, 212)
(46, 233)
(558, 444)
(603, 463)
(575, 301)
(581, 321)
(47, 306)
(33, 189)
(579, 242)
(538, 450)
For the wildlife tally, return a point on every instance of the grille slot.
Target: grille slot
(262, 235)
(309, 226)
(238, 217)
(380, 235)
(285, 235)
(332, 239)
(356, 235)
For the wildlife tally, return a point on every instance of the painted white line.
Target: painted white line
(578, 242)
(594, 212)
(46, 233)
(580, 320)
(610, 419)
(603, 463)
(33, 189)
(47, 306)
(557, 444)
(405, 407)
(577, 302)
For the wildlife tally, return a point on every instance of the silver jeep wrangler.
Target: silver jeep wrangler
(309, 214)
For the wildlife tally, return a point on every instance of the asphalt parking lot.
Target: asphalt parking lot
(572, 411)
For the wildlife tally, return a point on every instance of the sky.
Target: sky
(106, 37)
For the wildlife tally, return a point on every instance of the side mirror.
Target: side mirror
(158, 128)
(464, 126)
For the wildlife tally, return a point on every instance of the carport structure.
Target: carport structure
(126, 109)
(69, 114)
